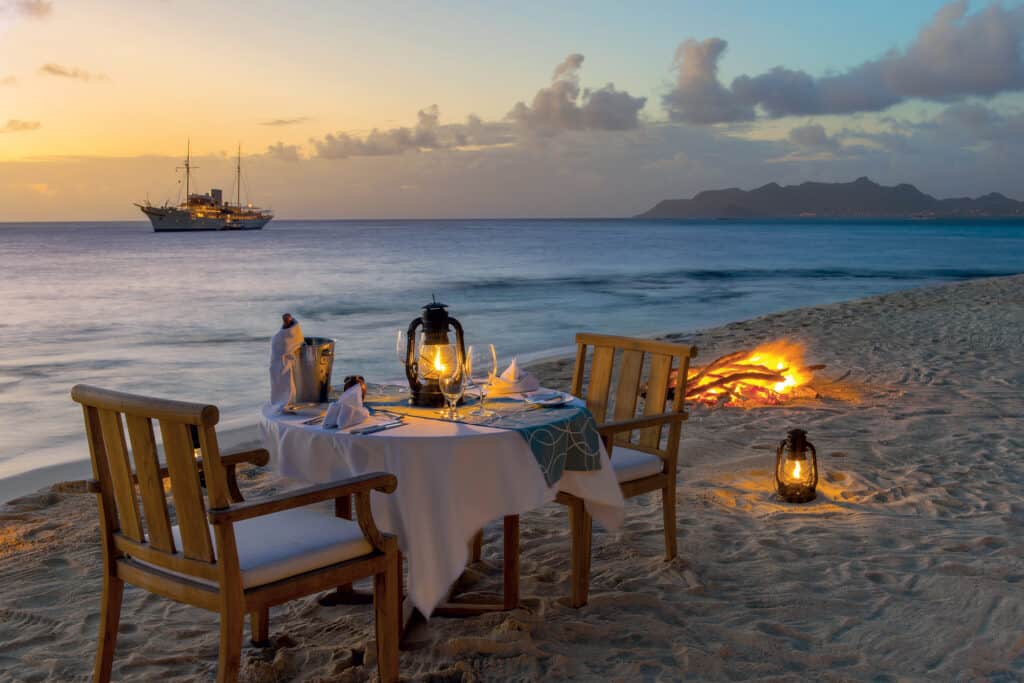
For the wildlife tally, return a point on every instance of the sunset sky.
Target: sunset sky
(465, 109)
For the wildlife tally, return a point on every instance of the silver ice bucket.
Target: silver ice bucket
(313, 371)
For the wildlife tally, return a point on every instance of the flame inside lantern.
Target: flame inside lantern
(769, 374)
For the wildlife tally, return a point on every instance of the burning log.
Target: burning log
(769, 374)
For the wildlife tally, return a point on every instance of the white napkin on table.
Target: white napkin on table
(514, 381)
(348, 410)
(284, 354)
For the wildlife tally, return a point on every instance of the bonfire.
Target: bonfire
(768, 375)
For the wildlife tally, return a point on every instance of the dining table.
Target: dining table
(454, 477)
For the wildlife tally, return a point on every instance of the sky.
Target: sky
(526, 109)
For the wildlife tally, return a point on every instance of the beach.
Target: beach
(907, 566)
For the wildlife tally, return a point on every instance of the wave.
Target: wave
(583, 281)
(60, 368)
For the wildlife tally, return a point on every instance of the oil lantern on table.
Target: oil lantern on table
(796, 468)
(435, 355)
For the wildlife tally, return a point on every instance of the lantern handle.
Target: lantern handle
(412, 369)
(814, 460)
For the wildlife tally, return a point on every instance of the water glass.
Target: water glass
(452, 387)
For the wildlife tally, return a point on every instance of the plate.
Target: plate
(547, 398)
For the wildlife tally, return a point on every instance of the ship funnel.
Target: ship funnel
(218, 196)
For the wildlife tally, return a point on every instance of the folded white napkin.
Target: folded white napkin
(347, 411)
(514, 381)
(284, 354)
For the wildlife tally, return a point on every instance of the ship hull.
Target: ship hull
(173, 220)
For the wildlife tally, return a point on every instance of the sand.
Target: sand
(909, 566)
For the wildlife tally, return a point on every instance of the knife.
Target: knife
(379, 427)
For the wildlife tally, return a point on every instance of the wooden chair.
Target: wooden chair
(634, 441)
(264, 552)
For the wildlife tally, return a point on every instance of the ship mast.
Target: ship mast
(238, 178)
(188, 169)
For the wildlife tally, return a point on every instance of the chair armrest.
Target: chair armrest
(360, 487)
(256, 456)
(374, 481)
(612, 428)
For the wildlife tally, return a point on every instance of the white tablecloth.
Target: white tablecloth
(453, 478)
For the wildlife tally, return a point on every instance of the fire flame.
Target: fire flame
(796, 470)
(754, 377)
(438, 364)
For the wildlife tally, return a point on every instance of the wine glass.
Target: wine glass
(481, 357)
(400, 350)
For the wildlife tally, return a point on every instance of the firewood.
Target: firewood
(692, 388)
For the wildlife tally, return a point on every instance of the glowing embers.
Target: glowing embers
(767, 375)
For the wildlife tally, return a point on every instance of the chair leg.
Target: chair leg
(582, 527)
(387, 614)
(110, 619)
(232, 624)
(668, 508)
(259, 624)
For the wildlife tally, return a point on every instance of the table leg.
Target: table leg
(476, 546)
(510, 579)
(511, 562)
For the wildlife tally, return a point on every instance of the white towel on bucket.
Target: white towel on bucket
(284, 354)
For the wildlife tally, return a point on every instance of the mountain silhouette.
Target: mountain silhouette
(860, 198)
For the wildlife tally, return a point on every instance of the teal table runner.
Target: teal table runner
(561, 438)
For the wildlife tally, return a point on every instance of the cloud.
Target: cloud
(568, 68)
(73, 72)
(383, 142)
(8, 80)
(285, 122)
(955, 56)
(283, 152)
(699, 97)
(19, 126)
(428, 134)
(813, 136)
(36, 9)
(558, 107)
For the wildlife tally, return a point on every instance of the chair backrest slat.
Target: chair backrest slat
(151, 484)
(187, 492)
(657, 392)
(600, 381)
(628, 389)
(121, 475)
(100, 470)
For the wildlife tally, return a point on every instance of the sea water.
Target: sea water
(189, 316)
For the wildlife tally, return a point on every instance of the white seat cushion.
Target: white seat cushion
(291, 542)
(630, 465)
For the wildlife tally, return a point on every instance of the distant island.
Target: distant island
(863, 198)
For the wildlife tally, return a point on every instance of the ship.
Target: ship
(209, 211)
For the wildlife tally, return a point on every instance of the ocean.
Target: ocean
(189, 316)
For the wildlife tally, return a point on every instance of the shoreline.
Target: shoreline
(554, 366)
(35, 480)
